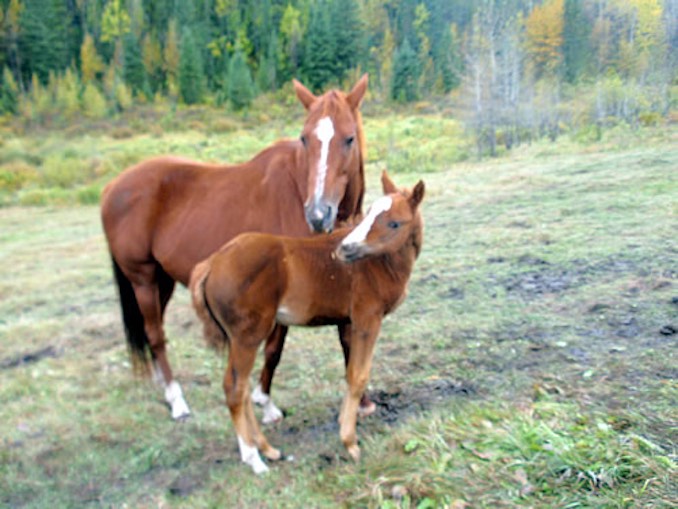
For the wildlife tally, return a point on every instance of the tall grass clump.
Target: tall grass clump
(544, 454)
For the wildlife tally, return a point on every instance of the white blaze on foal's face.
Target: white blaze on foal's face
(359, 234)
(325, 132)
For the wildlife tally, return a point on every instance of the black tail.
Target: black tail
(137, 341)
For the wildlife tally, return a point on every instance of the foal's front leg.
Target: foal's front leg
(363, 338)
(367, 406)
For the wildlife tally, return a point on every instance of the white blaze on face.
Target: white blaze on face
(359, 234)
(325, 132)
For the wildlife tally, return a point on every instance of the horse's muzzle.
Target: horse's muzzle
(320, 216)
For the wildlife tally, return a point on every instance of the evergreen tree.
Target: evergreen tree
(576, 34)
(240, 85)
(291, 36)
(266, 73)
(134, 72)
(404, 81)
(348, 35)
(171, 58)
(9, 93)
(90, 61)
(191, 79)
(319, 61)
(151, 53)
(43, 39)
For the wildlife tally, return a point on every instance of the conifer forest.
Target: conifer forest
(516, 69)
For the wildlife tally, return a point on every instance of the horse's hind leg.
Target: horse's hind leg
(152, 304)
(236, 387)
(262, 393)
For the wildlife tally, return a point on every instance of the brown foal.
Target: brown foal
(351, 278)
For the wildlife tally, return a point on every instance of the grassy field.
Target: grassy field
(532, 364)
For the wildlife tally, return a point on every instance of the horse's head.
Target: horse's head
(391, 222)
(332, 140)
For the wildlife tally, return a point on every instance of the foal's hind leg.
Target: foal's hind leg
(367, 407)
(151, 304)
(236, 387)
(262, 393)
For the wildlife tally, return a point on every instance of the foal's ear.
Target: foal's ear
(417, 194)
(304, 94)
(387, 184)
(356, 95)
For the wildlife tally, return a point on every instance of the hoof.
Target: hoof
(354, 452)
(366, 407)
(272, 414)
(273, 454)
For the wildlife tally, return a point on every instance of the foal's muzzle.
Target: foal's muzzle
(349, 252)
(320, 216)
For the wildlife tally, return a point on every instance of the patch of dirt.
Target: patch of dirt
(29, 358)
(547, 278)
(393, 406)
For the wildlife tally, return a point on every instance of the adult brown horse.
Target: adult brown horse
(164, 215)
(351, 277)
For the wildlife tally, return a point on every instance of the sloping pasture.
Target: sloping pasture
(533, 363)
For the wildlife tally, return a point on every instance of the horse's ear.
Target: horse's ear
(304, 94)
(356, 95)
(417, 194)
(387, 184)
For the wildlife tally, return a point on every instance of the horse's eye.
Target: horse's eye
(349, 140)
(393, 225)
(303, 140)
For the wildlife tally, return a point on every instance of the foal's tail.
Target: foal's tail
(214, 333)
(137, 340)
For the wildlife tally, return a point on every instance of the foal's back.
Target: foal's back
(292, 281)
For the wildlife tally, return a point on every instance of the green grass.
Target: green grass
(525, 369)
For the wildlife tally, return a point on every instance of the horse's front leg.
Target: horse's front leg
(363, 338)
(367, 407)
(262, 393)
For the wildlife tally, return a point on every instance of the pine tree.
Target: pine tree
(90, 61)
(43, 39)
(151, 54)
(93, 102)
(171, 57)
(291, 37)
(240, 85)
(266, 73)
(404, 81)
(9, 93)
(191, 84)
(348, 35)
(447, 59)
(134, 72)
(319, 62)
(576, 34)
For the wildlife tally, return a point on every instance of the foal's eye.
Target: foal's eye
(393, 225)
(303, 140)
(349, 140)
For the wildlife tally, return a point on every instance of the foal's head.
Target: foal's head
(331, 138)
(391, 222)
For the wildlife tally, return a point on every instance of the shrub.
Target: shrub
(16, 175)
